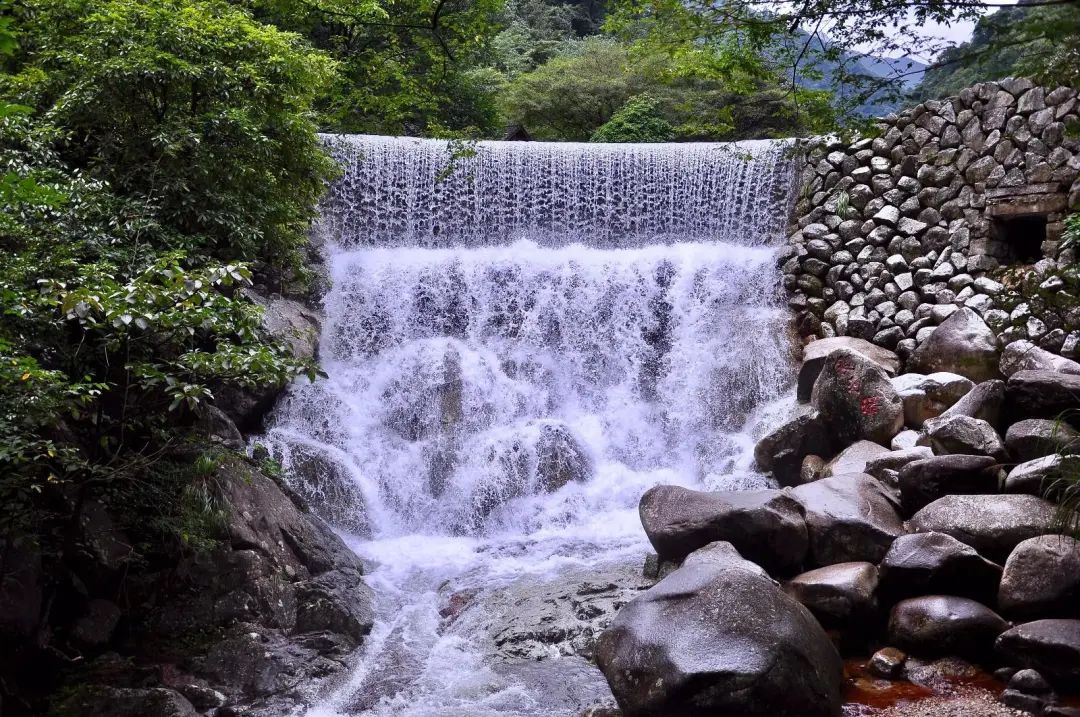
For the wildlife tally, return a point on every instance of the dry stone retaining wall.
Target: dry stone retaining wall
(892, 234)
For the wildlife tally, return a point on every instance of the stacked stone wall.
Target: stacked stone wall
(893, 233)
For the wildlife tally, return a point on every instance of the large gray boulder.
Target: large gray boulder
(838, 595)
(944, 624)
(767, 526)
(964, 435)
(984, 402)
(1042, 394)
(928, 396)
(102, 701)
(992, 524)
(1038, 437)
(1042, 578)
(963, 344)
(853, 459)
(936, 563)
(784, 450)
(849, 518)
(815, 353)
(924, 481)
(1049, 476)
(856, 400)
(717, 636)
(1025, 356)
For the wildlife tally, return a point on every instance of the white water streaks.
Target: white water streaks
(400, 191)
(494, 409)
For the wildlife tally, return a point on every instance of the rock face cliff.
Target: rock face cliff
(249, 625)
(896, 232)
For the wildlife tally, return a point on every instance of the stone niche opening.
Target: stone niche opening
(1023, 235)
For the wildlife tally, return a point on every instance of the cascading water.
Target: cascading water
(519, 343)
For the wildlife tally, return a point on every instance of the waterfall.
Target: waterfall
(520, 339)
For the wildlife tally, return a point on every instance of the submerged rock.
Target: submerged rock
(717, 636)
(765, 525)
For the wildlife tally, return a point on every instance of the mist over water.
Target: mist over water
(516, 352)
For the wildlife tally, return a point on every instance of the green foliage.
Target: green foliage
(150, 155)
(190, 110)
(405, 65)
(579, 90)
(639, 120)
(1042, 42)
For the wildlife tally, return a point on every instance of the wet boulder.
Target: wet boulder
(1050, 646)
(1041, 394)
(924, 481)
(1025, 356)
(815, 353)
(944, 624)
(1038, 437)
(838, 594)
(992, 524)
(560, 458)
(963, 435)
(759, 654)
(963, 344)
(1042, 578)
(320, 476)
(856, 400)
(767, 526)
(936, 563)
(1049, 476)
(101, 701)
(782, 452)
(853, 459)
(928, 396)
(849, 518)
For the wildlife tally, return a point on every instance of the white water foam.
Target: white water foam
(496, 408)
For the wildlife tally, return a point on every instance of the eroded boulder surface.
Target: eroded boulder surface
(1042, 578)
(856, 400)
(963, 344)
(992, 524)
(944, 624)
(853, 459)
(849, 518)
(815, 353)
(886, 466)
(766, 525)
(936, 563)
(924, 481)
(717, 636)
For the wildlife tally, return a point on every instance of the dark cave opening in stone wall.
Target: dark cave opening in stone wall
(1024, 236)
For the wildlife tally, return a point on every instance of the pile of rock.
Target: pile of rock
(917, 517)
(895, 233)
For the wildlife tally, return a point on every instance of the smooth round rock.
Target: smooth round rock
(838, 594)
(936, 563)
(992, 524)
(1042, 578)
(944, 624)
